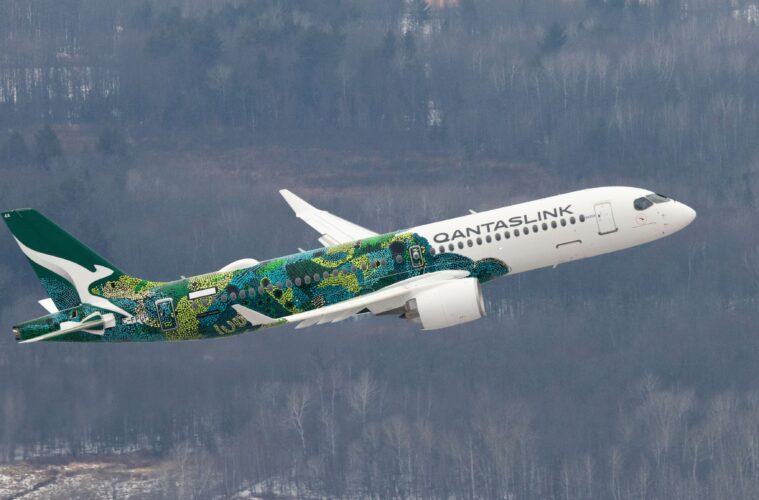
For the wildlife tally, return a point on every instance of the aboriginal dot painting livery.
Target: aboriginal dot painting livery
(430, 275)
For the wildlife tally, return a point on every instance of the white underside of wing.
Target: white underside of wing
(389, 298)
(333, 229)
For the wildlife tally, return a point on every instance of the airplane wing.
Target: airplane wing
(333, 229)
(389, 298)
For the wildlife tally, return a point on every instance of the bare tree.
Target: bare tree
(298, 401)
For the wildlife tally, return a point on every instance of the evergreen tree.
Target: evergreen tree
(112, 142)
(554, 39)
(46, 145)
(14, 150)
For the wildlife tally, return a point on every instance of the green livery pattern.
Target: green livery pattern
(276, 288)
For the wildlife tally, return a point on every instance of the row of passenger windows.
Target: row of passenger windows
(507, 234)
(316, 277)
(266, 285)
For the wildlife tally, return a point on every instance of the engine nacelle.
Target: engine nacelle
(447, 304)
(238, 264)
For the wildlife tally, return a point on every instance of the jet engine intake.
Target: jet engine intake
(448, 304)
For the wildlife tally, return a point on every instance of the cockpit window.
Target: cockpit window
(642, 203)
(657, 198)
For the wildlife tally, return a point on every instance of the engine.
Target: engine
(447, 304)
(238, 264)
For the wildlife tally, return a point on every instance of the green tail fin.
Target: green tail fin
(66, 267)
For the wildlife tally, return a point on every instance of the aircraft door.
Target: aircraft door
(605, 218)
(166, 315)
(417, 259)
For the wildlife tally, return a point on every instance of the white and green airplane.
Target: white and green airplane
(431, 274)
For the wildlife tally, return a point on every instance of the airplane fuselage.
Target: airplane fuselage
(507, 240)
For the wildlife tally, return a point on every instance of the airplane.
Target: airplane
(430, 274)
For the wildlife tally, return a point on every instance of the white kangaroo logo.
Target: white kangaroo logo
(79, 277)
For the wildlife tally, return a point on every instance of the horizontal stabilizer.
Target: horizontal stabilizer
(95, 324)
(255, 318)
(49, 305)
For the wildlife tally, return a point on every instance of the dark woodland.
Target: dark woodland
(159, 133)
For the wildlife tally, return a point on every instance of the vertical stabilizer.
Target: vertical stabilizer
(66, 267)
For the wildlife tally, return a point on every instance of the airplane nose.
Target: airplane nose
(680, 216)
(676, 216)
(688, 214)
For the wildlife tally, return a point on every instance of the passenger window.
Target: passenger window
(298, 281)
(545, 227)
(307, 279)
(251, 291)
(461, 245)
(441, 249)
(507, 235)
(516, 232)
(334, 272)
(563, 222)
(488, 239)
(497, 236)
(242, 294)
(553, 224)
(582, 218)
(479, 241)
(289, 284)
(233, 296)
(469, 243)
(326, 274)
(450, 247)
(317, 278)
(572, 220)
(224, 297)
(535, 228)
(432, 250)
(260, 289)
(526, 230)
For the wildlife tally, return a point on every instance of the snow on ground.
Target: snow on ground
(117, 478)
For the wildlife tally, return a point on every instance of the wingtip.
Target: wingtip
(296, 203)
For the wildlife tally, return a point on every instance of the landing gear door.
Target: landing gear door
(605, 218)
(166, 315)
